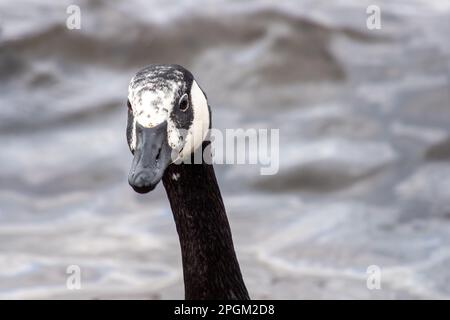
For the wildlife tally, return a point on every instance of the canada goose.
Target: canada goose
(169, 114)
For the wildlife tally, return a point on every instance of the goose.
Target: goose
(168, 122)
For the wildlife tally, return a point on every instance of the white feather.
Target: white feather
(200, 124)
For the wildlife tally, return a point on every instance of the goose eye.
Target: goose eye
(184, 102)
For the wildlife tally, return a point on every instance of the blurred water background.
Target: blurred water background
(364, 119)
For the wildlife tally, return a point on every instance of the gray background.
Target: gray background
(364, 119)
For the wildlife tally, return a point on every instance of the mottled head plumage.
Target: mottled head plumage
(154, 96)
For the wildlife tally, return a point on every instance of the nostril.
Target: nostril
(158, 154)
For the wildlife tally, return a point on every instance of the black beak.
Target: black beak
(152, 156)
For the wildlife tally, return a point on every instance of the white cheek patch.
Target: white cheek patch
(200, 124)
(174, 136)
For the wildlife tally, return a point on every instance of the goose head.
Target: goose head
(168, 119)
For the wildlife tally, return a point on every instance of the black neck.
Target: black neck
(210, 266)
